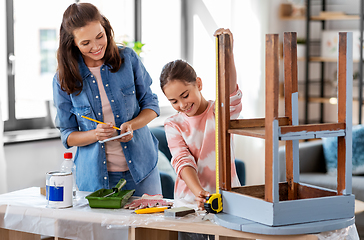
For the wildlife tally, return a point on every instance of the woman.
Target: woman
(102, 81)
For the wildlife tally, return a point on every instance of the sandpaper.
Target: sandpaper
(178, 211)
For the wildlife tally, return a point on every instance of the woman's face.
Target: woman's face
(91, 40)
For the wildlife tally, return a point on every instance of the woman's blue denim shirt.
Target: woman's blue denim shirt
(129, 92)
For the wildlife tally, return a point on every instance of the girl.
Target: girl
(191, 132)
(99, 80)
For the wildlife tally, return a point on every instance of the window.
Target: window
(161, 33)
(120, 14)
(31, 52)
(48, 46)
(32, 42)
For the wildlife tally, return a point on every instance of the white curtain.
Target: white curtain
(3, 181)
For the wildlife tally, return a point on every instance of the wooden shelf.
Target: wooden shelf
(335, 17)
(326, 59)
(330, 100)
(288, 18)
(320, 59)
(323, 18)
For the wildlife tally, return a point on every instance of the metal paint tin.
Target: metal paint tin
(59, 189)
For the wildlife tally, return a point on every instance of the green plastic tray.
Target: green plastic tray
(117, 200)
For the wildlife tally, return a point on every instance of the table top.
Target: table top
(26, 210)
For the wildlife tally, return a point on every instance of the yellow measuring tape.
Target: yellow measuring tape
(213, 203)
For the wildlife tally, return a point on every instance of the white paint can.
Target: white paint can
(59, 189)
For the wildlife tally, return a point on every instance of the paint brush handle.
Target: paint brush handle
(94, 120)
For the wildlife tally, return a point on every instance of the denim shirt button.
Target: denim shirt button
(107, 85)
(117, 116)
(97, 96)
(133, 92)
(102, 146)
(104, 162)
(93, 81)
(92, 76)
(103, 69)
(105, 178)
(112, 100)
(129, 161)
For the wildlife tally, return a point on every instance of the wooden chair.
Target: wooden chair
(290, 202)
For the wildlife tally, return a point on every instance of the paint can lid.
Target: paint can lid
(67, 155)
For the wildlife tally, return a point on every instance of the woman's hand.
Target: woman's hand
(125, 127)
(201, 199)
(104, 131)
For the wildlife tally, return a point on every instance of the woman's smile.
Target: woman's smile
(98, 52)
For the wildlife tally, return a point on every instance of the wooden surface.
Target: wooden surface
(336, 17)
(224, 54)
(151, 225)
(326, 59)
(158, 230)
(322, 18)
(271, 107)
(16, 235)
(290, 87)
(255, 122)
(318, 207)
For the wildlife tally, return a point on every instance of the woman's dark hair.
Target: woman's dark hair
(178, 70)
(76, 16)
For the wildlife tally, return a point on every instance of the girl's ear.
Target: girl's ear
(199, 83)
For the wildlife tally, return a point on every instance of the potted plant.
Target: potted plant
(135, 45)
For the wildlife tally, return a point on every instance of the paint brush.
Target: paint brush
(151, 210)
(99, 122)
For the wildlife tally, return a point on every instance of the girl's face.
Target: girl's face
(91, 40)
(186, 97)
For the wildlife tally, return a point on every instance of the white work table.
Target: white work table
(24, 215)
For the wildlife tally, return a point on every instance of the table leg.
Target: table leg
(6, 234)
(151, 234)
(218, 237)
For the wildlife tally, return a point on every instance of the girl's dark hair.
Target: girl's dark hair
(76, 16)
(178, 70)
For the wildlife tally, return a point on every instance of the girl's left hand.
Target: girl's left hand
(225, 31)
(125, 127)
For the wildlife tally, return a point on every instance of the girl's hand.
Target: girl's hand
(232, 65)
(104, 131)
(225, 31)
(201, 199)
(125, 127)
